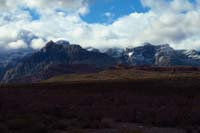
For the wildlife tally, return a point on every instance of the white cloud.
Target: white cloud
(55, 3)
(17, 44)
(83, 10)
(175, 22)
(42, 4)
(108, 14)
(37, 43)
(163, 6)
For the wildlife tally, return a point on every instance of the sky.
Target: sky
(100, 23)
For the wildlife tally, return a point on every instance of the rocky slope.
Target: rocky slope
(61, 57)
(56, 54)
(151, 55)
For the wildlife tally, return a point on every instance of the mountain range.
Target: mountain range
(61, 57)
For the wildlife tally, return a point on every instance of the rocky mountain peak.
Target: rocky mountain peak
(50, 43)
(52, 46)
(62, 42)
(147, 44)
(74, 48)
(62, 53)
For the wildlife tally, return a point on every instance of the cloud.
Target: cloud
(163, 6)
(168, 21)
(37, 43)
(17, 44)
(109, 16)
(176, 29)
(16, 20)
(56, 3)
(6, 5)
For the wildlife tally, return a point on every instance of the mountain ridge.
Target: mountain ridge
(61, 57)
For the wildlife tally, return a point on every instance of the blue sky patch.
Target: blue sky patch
(116, 9)
(33, 13)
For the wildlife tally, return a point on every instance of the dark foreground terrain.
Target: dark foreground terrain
(124, 105)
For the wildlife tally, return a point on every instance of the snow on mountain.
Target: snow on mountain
(164, 55)
(25, 63)
(130, 54)
(165, 48)
(91, 49)
(192, 54)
